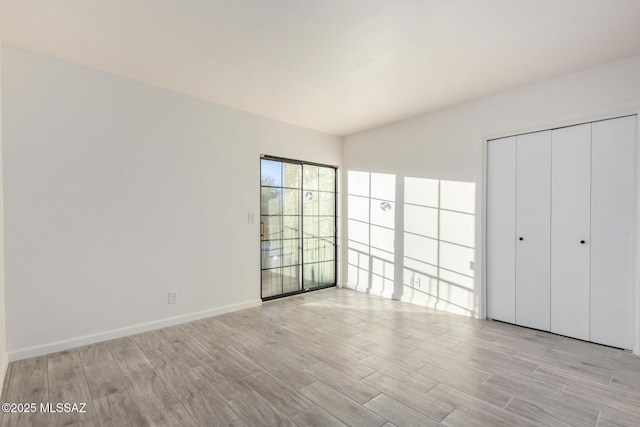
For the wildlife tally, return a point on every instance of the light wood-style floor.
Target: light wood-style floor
(332, 358)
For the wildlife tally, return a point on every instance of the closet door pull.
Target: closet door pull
(521, 238)
(582, 242)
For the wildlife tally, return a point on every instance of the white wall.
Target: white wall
(4, 358)
(449, 146)
(118, 192)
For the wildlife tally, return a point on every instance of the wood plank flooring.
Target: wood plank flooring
(332, 358)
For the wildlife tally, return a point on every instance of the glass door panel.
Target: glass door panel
(279, 223)
(327, 179)
(326, 226)
(319, 213)
(310, 177)
(298, 227)
(290, 227)
(290, 279)
(318, 275)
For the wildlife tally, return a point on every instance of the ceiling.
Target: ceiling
(337, 66)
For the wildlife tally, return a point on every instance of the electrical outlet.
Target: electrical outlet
(472, 265)
(250, 218)
(173, 297)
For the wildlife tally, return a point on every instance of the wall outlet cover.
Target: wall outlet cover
(173, 297)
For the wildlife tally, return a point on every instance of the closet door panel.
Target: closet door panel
(501, 205)
(613, 231)
(570, 225)
(533, 230)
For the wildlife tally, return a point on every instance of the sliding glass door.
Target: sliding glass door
(298, 226)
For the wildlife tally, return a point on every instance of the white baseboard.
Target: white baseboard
(53, 347)
(388, 294)
(4, 364)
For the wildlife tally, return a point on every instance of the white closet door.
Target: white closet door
(570, 230)
(613, 231)
(533, 230)
(501, 206)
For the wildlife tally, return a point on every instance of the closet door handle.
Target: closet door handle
(521, 238)
(582, 242)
